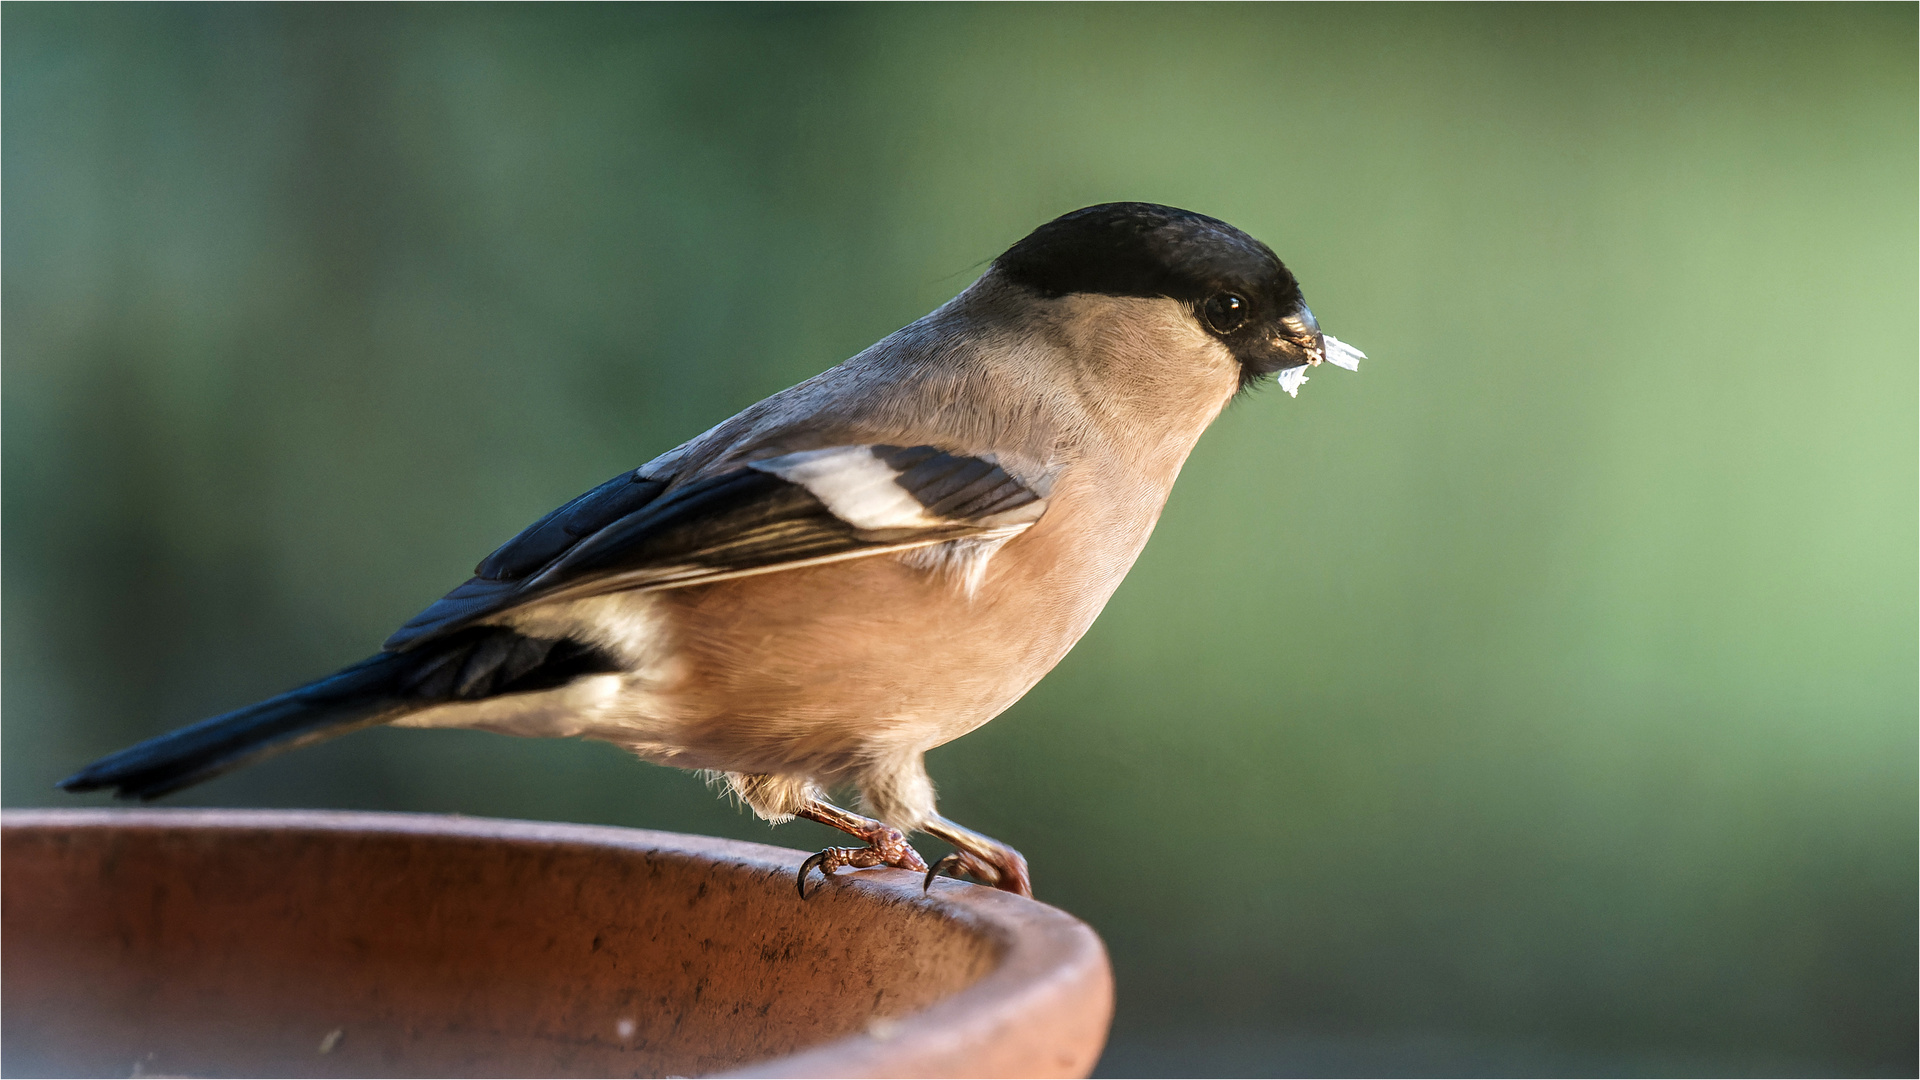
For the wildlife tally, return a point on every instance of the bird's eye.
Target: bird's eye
(1225, 312)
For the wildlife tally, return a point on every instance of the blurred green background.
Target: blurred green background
(1541, 700)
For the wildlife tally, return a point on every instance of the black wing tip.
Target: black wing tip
(108, 772)
(123, 787)
(145, 780)
(201, 751)
(475, 663)
(473, 599)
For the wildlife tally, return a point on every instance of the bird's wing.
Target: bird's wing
(799, 509)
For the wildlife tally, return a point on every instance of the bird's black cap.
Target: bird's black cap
(1238, 288)
(1144, 249)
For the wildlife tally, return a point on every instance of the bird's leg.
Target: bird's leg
(886, 845)
(981, 858)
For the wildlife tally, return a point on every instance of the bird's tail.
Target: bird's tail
(467, 665)
(350, 699)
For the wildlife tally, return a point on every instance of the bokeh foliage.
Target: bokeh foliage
(1541, 699)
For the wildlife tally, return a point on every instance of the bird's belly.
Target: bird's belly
(821, 670)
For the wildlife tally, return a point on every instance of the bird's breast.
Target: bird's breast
(893, 652)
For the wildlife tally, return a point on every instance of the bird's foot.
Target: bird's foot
(982, 858)
(886, 846)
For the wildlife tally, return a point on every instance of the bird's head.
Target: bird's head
(1232, 287)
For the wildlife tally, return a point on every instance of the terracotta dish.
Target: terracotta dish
(251, 943)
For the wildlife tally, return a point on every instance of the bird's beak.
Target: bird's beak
(1318, 345)
(1303, 330)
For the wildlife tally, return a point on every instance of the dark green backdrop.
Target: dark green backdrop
(1540, 700)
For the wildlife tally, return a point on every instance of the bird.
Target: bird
(815, 592)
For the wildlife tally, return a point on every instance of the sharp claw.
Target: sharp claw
(943, 866)
(812, 861)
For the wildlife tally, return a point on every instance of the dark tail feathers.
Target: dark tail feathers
(468, 665)
(320, 710)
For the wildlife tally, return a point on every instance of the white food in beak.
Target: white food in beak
(1341, 354)
(1333, 351)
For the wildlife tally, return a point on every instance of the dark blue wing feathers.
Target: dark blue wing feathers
(545, 540)
(737, 521)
